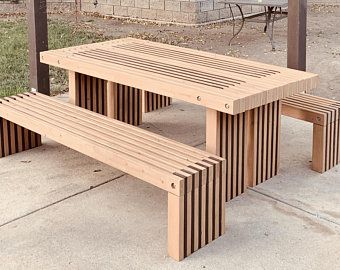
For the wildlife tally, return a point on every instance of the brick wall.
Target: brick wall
(180, 11)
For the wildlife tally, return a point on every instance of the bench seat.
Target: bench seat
(324, 114)
(192, 178)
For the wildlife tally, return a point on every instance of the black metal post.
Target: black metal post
(37, 42)
(297, 32)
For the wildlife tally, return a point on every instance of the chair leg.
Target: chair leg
(319, 154)
(15, 139)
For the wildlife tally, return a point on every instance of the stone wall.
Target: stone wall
(52, 6)
(178, 11)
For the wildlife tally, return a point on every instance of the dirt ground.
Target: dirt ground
(323, 41)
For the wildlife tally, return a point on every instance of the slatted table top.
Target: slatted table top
(223, 83)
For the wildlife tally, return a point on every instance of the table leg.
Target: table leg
(153, 102)
(73, 82)
(250, 143)
(114, 100)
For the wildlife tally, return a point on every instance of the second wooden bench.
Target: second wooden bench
(324, 114)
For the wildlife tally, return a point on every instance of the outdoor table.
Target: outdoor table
(272, 8)
(242, 98)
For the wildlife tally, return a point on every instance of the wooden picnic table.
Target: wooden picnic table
(242, 97)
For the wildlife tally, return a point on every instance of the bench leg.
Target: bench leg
(198, 217)
(15, 139)
(153, 102)
(325, 154)
(117, 101)
(250, 142)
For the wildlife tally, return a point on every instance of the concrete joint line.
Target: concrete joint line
(316, 215)
(199, 144)
(61, 200)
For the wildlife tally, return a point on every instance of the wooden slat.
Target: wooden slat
(73, 87)
(12, 138)
(260, 139)
(2, 154)
(176, 226)
(265, 143)
(241, 157)
(111, 91)
(94, 95)
(20, 138)
(82, 91)
(88, 93)
(6, 141)
(319, 151)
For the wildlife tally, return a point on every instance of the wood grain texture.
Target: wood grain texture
(15, 139)
(153, 102)
(114, 100)
(226, 84)
(249, 142)
(193, 178)
(324, 114)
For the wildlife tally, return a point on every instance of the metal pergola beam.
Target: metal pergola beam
(37, 42)
(297, 33)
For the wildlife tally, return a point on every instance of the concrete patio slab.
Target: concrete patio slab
(39, 177)
(122, 225)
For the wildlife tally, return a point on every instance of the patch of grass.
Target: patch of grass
(14, 73)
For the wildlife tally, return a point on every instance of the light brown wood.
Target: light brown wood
(12, 138)
(20, 139)
(224, 83)
(152, 102)
(248, 144)
(319, 148)
(2, 154)
(6, 140)
(186, 173)
(15, 139)
(108, 98)
(111, 91)
(324, 114)
(212, 131)
(250, 154)
(73, 87)
(176, 226)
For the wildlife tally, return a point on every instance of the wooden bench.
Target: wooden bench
(324, 114)
(192, 178)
